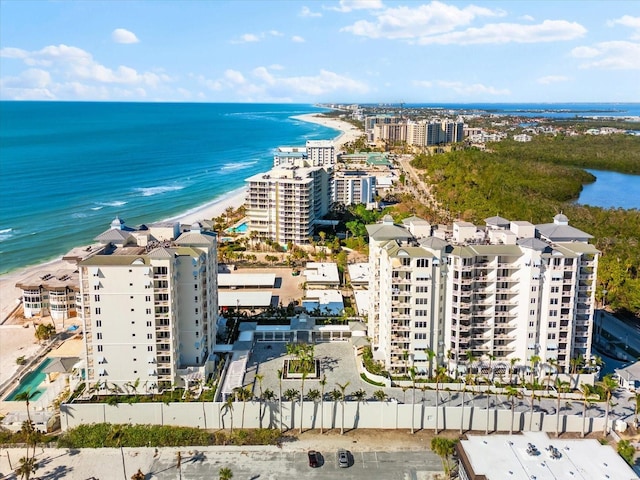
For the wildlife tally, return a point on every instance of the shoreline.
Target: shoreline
(10, 295)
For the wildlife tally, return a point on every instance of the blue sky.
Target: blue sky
(320, 51)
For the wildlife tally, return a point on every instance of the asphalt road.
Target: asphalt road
(280, 465)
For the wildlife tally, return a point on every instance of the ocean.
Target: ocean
(67, 169)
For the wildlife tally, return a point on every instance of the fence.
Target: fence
(329, 414)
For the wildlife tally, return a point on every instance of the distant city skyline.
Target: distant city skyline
(315, 51)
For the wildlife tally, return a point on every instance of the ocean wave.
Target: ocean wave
(231, 167)
(79, 215)
(151, 191)
(115, 203)
(6, 234)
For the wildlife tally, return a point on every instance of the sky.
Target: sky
(317, 51)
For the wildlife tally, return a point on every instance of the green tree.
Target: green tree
(587, 391)
(512, 394)
(440, 376)
(626, 450)
(444, 448)
(323, 384)
(45, 331)
(608, 385)
(342, 388)
(26, 467)
(561, 387)
(225, 473)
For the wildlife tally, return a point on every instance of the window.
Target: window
(96, 287)
(97, 310)
(420, 336)
(533, 300)
(99, 348)
(553, 324)
(420, 324)
(553, 301)
(148, 313)
(147, 298)
(422, 263)
(421, 301)
(195, 298)
(553, 313)
(99, 336)
(551, 336)
(98, 323)
(96, 298)
(149, 322)
(421, 313)
(530, 334)
(555, 289)
(534, 288)
(149, 336)
(532, 312)
(425, 289)
(532, 324)
(149, 348)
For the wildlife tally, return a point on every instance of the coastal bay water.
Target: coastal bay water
(68, 168)
(612, 190)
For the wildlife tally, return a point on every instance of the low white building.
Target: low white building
(322, 274)
(326, 301)
(629, 377)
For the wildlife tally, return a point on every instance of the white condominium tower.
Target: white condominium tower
(321, 153)
(149, 306)
(509, 290)
(285, 203)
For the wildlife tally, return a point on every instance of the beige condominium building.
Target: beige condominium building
(480, 296)
(148, 303)
(285, 203)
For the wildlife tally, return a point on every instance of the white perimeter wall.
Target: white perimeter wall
(382, 415)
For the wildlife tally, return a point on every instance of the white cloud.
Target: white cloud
(627, 21)
(264, 83)
(614, 55)
(297, 39)
(547, 31)
(276, 33)
(248, 38)
(120, 35)
(423, 83)
(549, 79)
(472, 89)
(350, 5)
(307, 13)
(411, 23)
(67, 72)
(527, 18)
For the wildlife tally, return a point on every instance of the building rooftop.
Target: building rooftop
(321, 273)
(245, 280)
(359, 273)
(534, 456)
(244, 298)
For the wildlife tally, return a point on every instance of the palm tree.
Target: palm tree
(26, 396)
(512, 394)
(228, 406)
(243, 394)
(279, 372)
(440, 375)
(412, 374)
(430, 356)
(314, 396)
(561, 387)
(268, 396)
(323, 383)
(342, 398)
(444, 448)
(462, 390)
(259, 377)
(27, 467)
(359, 395)
(586, 391)
(381, 396)
(534, 360)
(225, 473)
(487, 393)
(512, 363)
(304, 376)
(608, 385)
(335, 395)
(636, 399)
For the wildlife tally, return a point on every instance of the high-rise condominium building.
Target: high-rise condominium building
(351, 187)
(480, 297)
(321, 153)
(148, 303)
(285, 204)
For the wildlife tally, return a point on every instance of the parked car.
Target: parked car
(343, 458)
(314, 460)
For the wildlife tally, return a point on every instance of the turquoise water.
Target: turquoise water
(242, 228)
(31, 381)
(68, 168)
(612, 190)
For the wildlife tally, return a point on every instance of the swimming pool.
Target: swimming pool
(31, 381)
(240, 228)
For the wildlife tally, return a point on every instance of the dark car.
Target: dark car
(313, 458)
(343, 458)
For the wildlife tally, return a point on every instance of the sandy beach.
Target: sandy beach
(16, 341)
